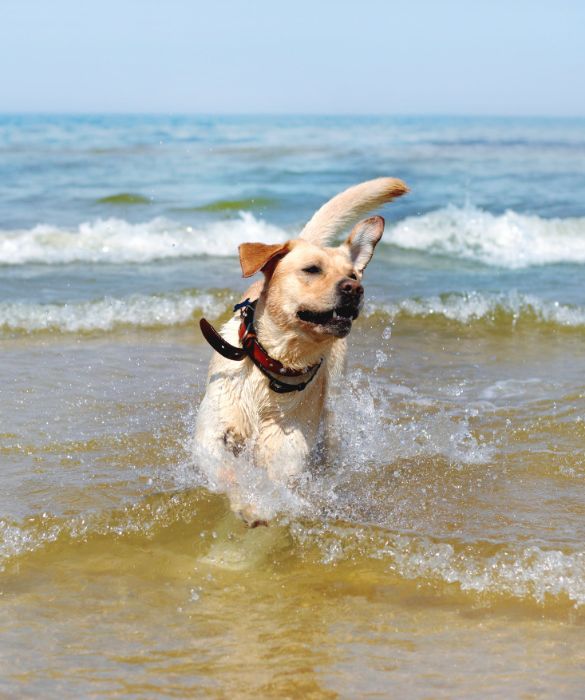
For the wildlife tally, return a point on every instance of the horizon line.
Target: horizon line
(354, 115)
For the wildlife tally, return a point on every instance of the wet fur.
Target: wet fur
(238, 410)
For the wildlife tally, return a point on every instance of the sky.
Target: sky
(497, 57)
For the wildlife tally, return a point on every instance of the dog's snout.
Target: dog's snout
(347, 286)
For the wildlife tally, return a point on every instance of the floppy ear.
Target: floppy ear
(362, 241)
(256, 256)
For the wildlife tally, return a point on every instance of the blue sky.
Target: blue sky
(259, 56)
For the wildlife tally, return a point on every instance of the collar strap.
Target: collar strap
(251, 347)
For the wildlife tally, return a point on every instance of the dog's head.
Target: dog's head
(311, 289)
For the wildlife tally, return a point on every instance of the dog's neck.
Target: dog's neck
(287, 346)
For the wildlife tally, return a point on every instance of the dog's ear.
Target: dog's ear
(258, 256)
(362, 241)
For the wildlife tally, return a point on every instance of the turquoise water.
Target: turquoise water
(155, 204)
(438, 554)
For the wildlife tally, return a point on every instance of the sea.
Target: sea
(437, 552)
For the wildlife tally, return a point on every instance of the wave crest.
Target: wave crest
(117, 241)
(490, 312)
(526, 572)
(530, 573)
(497, 311)
(138, 311)
(510, 240)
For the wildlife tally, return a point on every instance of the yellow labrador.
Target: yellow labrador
(276, 358)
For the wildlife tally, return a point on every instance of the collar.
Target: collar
(251, 347)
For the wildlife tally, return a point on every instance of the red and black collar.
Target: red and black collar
(251, 347)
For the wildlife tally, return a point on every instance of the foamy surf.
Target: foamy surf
(116, 241)
(529, 573)
(107, 314)
(506, 310)
(488, 311)
(510, 240)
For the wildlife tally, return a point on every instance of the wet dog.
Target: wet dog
(276, 358)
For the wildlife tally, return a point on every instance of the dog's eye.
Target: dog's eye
(312, 269)
(352, 276)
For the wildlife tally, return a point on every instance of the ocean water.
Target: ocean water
(439, 552)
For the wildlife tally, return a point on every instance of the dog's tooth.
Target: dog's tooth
(335, 314)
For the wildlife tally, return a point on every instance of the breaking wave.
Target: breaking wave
(510, 240)
(530, 573)
(117, 241)
(138, 311)
(491, 312)
(497, 311)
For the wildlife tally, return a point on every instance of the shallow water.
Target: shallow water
(438, 552)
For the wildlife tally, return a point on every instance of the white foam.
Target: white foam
(149, 311)
(519, 572)
(141, 311)
(465, 308)
(509, 240)
(33, 534)
(117, 241)
(524, 572)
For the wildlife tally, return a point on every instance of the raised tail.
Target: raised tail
(347, 207)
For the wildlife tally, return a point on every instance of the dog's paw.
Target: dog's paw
(250, 518)
(233, 441)
(257, 523)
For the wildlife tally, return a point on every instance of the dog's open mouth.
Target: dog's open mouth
(338, 320)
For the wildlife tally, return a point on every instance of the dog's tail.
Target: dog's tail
(345, 208)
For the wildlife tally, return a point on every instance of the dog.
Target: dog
(276, 359)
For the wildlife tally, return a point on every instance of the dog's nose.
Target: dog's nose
(350, 287)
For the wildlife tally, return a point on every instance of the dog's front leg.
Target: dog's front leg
(282, 451)
(328, 439)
